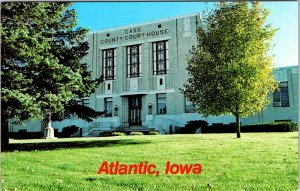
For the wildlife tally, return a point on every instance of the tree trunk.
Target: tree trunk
(238, 126)
(4, 133)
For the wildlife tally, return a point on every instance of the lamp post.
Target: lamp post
(116, 110)
(150, 109)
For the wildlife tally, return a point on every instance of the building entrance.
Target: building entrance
(135, 106)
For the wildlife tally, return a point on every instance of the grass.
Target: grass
(257, 161)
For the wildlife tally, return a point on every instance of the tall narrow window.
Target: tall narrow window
(133, 61)
(281, 95)
(108, 63)
(160, 57)
(108, 106)
(161, 104)
(189, 107)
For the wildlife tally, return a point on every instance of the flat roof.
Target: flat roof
(286, 67)
(144, 23)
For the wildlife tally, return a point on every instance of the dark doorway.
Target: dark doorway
(135, 106)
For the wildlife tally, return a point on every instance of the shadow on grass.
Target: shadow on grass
(74, 144)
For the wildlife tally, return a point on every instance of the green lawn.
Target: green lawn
(257, 161)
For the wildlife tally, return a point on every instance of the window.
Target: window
(108, 63)
(281, 95)
(161, 104)
(133, 61)
(160, 57)
(85, 101)
(108, 106)
(189, 107)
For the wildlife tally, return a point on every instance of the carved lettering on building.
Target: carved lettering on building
(133, 30)
(134, 33)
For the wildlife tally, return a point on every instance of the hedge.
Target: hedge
(26, 135)
(267, 127)
(192, 126)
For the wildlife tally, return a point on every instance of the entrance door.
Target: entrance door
(135, 106)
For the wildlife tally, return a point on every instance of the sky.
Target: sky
(103, 15)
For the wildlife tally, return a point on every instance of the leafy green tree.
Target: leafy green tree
(40, 61)
(230, 68)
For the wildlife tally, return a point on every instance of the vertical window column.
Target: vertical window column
(160, 58)
(133, 61)
(281, 95)
(108, 64)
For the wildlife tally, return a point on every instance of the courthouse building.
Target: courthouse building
(144, 67)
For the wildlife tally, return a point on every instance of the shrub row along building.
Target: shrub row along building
(144, 66)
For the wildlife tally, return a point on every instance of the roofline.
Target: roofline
(145, 23)
(286, 67)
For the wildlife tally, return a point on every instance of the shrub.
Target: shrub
(104, 134)
(219, 128)
(136, 133)
(26, 135)
(192, 126)
(268, 127)
(118, 134)
(271, 127)
(69, 130)
(153, 133)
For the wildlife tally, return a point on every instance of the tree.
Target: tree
(230, 69)
(40, 61)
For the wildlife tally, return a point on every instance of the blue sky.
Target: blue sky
(102, 15)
